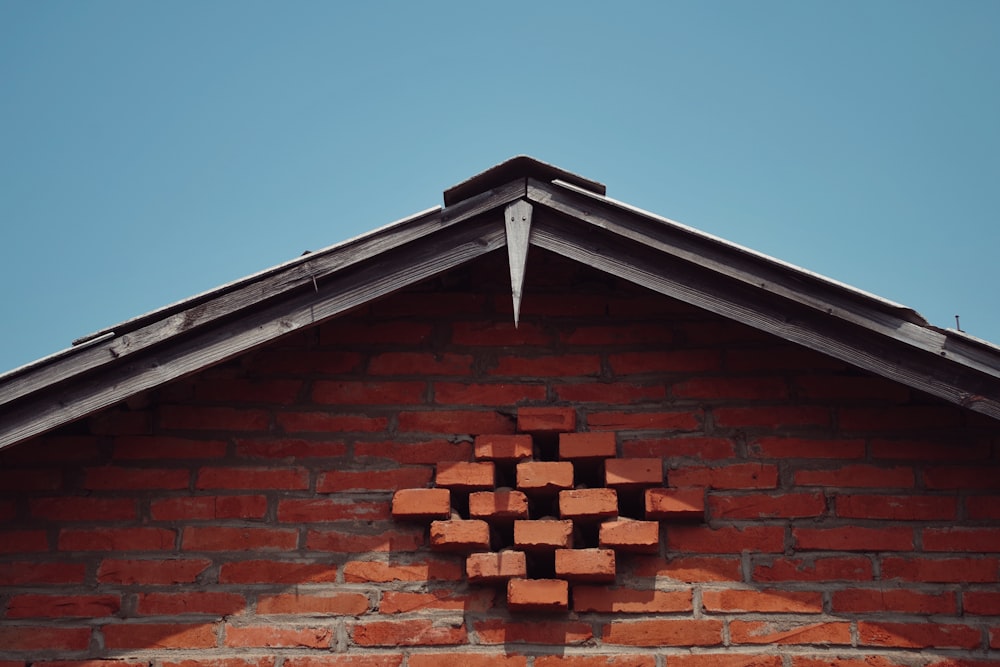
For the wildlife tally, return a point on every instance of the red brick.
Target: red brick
(618, 334)
(639, 421)
(588, 504)
(788, 632)
(350, 604)
(543, 534)
(675, 504)
(943, 570)
(75, 508)
(610, 393)
(558, 633)
(62, 606)
(562, 365)
(853, 538)
(134, 448)
(980, 540)
(112, 478)
(351, 392)
(668, 361)
(421, 504)
(981, 602)
(862, 600)
(760, 506)
(633, 473)
(289, 448)
(899, 418)
(734, 476)
(276, 572)
(429, 452)
(452, 422)
(83, 663)
(208, 507)
(595, 661)
(339, 332)
(417, 632)
(630, 535)
(120, 422)
(733, 660)
(962, 477)
(930, 450)
(466, 476)
(608, 600)
(31, 480)
(546, 420)
(18, 573)
(498, 505)
(559, 304)
(190, 602)
(896, 508)
(337, 481)
(324, 422)
(852, 568)
(496, 566)
(243, 390)
(726, 540)
(159, 635)
(395, 602)
(62, 448)
(537, 595)
(496, 393)
(223, 538)
(503, 447)
(151, 571)
(982, 507)
(117, 539)
(428, 569)
(466, 660)
(500, 334)
(688, 569)
(420, 364)
(253, 478)
(918, 635)
(857, 476)
(462, 536)
(764, 601)
(695, 447)
(595, 565)
(544, 477)
(23, 541)
(673, 632)
(271, 636)
(776, 447)
(748, 388)
(576, 446)
(211, 418)
(772, 417)
(840, 661)
(43, 638)
(404, 539)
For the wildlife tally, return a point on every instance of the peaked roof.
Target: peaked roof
(519, 203)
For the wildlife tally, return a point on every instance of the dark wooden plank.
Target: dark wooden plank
(517, 220)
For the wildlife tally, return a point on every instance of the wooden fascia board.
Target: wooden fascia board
(209, 345)
(704, 288)
(837, 303)
(270, 286)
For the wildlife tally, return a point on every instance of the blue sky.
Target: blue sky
(152, 150)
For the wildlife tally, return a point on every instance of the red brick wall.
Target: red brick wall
(242, 517)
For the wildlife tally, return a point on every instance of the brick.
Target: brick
(664, 361)
(633, 473)
(596, 565)
(734, 476)
(190, 602)
(421, 504)
(840, 661)
(618, 334)
(466, 660)
(851, 388)
(764, 601)
(543, 534)
(212, 418)
(275, 360)
(23, 541)
(694, 447)
(961, 477)
(674, 632)
(159, 635)
(507, 448)
(778, 357)
(982, 507)
(981, 602)
(588, 504)
(857, 476)
(498, 505)
(853, 538)
(429, 452)
(276, 572)
(339, 332)
(726, 540)
(350, 604)
(31, 480)
(451, 422)
(271, 636)
(350, 541)
(610, 393)
(244, 390)
(224, 538)
(560, 365)
(778, 447)
(159, 447)
(324, 422)
(151, 571)
(546, 421)
(396, 602)
(930, 450)
(862, 600)
(771, 417)
(544, 477)
(918, 635)
(557, 633)
(291, 479)
(587, 446)
(675, 504)
(75, 508)
(747, 388)
(338, 481)
(851, 568)
(942, 570)
(208, 507)
(499, 334)
(62, 606)
(496, 566)
(116, 539)
(899, 418)
(428, 569)
(290, 448)
(16, 573)
(462, 536)
(352, 392)
(417, 632)
(630, 535)
(115, 478)
(735, 660)
(465, 476)
(979, 540)
(896, 508)
(641, 421)
(767, 506)
(689, 569)
(537, 595)
(608, 600)
(258, 661)
(789, 632)
(493, 393)
(43, 638)
(420, 364)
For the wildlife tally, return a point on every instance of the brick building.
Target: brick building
(684, 454)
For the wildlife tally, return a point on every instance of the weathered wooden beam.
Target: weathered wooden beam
(517, 219)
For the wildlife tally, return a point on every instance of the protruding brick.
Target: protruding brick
(587, 446)
(421, 504)
(465, 476)
(630, 535)
(537, 595)
(460, 535)
(506, 448)
(586, 564)
(633, 473)
(496, 566)
(546, 421)
(498, 505)
(676, 504)
(543, 534)
(544, 476)
(588, 504)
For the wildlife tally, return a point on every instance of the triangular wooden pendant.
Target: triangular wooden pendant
(518, 220)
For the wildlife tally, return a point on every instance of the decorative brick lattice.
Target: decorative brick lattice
(547, 508)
